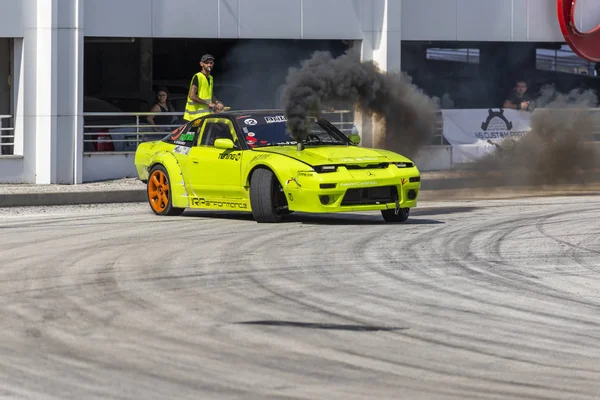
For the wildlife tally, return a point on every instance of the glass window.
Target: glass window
(469, 56)
(271, 130)
(563, 60)
(214, 131)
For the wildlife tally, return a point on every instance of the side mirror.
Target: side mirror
(354, 138)
(225, 144)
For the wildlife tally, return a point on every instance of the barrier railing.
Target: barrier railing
(7, 135)
(125, 131)
(125, 137)
(438, 135)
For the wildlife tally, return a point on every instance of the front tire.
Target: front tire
(158, 190)
(391, 216)
(267, 198)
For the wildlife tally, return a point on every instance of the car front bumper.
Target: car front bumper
(353, 190)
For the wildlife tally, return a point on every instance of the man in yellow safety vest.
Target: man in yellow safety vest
(201, 99)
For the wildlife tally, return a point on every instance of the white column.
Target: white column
(381, 43)
(387, 36)
(52, 91)
(69, 74)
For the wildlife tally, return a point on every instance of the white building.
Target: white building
(42, 52)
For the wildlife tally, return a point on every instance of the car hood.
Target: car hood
(324, 155)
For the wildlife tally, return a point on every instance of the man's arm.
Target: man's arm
(194, 94)
(195, 98)
(218, 105)
(509, 104)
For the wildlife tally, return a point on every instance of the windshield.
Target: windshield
(271, 130)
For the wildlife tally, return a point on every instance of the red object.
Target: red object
(104, 142)
(585, 45)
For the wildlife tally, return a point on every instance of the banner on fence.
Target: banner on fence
(469, 132)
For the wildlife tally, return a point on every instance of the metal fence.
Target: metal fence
(123, 132)
(438, 135)
(7, 135)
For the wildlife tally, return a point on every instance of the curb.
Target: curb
(129, 196)
(71, 198)
(452, 188)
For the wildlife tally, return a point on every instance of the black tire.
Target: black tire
(159, 194)
(265, 197)
(391, 216)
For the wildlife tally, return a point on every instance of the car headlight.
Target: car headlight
(404, 164)
(325, 168)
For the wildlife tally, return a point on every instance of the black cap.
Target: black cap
(207, 57)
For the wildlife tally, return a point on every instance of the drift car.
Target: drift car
(247, 161)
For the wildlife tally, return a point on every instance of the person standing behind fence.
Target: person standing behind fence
(519, 99)
(163, 104)
(201, 99)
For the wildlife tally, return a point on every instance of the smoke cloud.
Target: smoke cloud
(558, 148)
(392, 98)
(252, 76)
(253, 81)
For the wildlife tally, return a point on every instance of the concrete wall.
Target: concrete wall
(11, 17)
(491, 20)
(501, 20)
(283, 19)
(12, 170)
(48, 92)
(100, 167)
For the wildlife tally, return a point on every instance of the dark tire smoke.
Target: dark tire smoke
(408, 114)
(558, 149)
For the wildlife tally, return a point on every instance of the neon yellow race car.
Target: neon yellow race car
(247, 161)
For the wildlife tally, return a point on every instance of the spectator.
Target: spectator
(163, 104)
(201, 99)
(519, 99)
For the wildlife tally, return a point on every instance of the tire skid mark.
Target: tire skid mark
(312, 305)
(459, 244)
(413, 282)
(488, 272)
(155, 306)
(66, 345)
(483, 380)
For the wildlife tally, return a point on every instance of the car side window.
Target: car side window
(182, 135)
(213, 131)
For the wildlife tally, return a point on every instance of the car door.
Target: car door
(215, 174)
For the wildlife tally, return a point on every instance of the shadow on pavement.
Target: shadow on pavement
(325, 326)
(441, 210)
(355, 219)
(315, 219)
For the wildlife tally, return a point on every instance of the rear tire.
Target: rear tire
(158, 190)
(391, 216)
(266, 197)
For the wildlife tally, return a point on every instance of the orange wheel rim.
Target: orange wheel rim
(158, 191)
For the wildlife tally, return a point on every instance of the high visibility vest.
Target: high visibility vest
(205, 92)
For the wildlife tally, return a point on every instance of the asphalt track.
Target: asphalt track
(486, 299)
